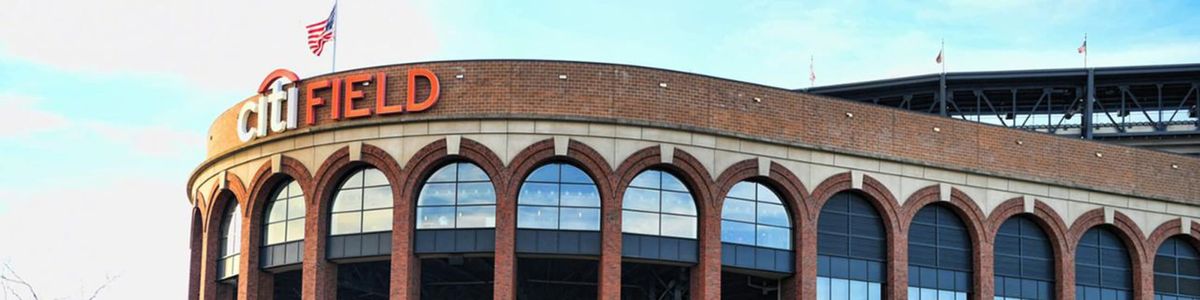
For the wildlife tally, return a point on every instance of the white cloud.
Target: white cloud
(224, 44)
(22, 118)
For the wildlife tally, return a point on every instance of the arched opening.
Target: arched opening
(282, 248)
(851, 249)
(756, 242)
(360, 238)
(229, 257)
(659, 229)
(1023, 261)
(558, 234)
(455, 232)
(1102, 266)
(1177, 270)
(939, 255)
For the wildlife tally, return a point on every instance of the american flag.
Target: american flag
(321, 32)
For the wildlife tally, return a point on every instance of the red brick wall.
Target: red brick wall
(627, 94)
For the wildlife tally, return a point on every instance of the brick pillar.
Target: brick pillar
(706, 275)
(985, 278)
(1065, 281)
(249, 275)
(610, 250)
(320, 275)
(196, 247)
(405, 276)
(806, 260)
(897, 264)
(504, 276)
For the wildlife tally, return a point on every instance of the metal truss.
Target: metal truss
(1145, 106)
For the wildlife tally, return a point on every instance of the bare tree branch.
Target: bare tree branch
(108, 279)
(10, 275)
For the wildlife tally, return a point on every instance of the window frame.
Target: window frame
(360, 211)
(283, 193)
(455, 206)
(757, 202)
(660, 213)
(559, 183)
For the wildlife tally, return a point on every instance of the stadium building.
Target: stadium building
(519, 179)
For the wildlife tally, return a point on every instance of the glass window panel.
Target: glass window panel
(471, 172)
(278, 211)
(373, 177)
(672, 183)
(739, 210)
(377, 197)
(546, 173)
(476, 193)
(839, 289)
(537, 217)
(580, 218)
(295, 208)
(742, 190)
(737, 232)
(293, 189)
(354, 180)
(377, 220)
(343, 223)
(476, 216)
(945, 295)
(580, 195)
(678, 203)
(572, 174)
(435, 217)
(858, 290)
(647, 179)
(774, 237)
(765, 194)
(640, 199)
(639, 222)
(445, 174)
(914, 293)
(276, 233)
(348, 200)
(928, 294)
(295, 230)
(822, 288)
(773, 214)
(436, 194)
(539, 194)
(678, 226)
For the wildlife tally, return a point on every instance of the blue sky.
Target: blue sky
(102, 124)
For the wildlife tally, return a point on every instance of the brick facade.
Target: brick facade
(524, 90)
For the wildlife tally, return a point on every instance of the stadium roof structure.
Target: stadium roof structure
(1151, 106)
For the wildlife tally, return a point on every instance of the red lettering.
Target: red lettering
(313, 101)
(352, 94)
(434, 89)
(381, 106)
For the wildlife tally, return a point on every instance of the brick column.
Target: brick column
(897, 263)
(610, 248)
(985, 277)
(505, 272)
(250, 276)
(706, 275)
(320, 275)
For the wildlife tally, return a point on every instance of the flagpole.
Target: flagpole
(943, 52)
(812, 78)
(1085, 52)
(333, 65)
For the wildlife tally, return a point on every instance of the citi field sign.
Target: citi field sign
(277, 106)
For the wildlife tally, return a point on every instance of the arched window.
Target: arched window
(1023, 261)
(558, 196)
(753, 215)
(939, 255)
(363, 204)
(285, 215)
(231, 242)
(658, 203)
(1102, 266)
(851, 249)
(1177, 271)
(459, 195)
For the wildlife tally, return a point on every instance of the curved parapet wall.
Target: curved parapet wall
(638, 96)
